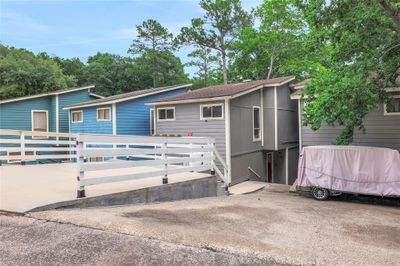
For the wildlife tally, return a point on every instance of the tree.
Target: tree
(23, 73)
(207, 64)
(72, 67)
(365, 54)
(218, 28)
(276, 47)
(152, 41)
(112, 74)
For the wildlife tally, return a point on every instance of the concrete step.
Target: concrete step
(246, 187)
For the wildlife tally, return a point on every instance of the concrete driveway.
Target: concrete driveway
(271, 224)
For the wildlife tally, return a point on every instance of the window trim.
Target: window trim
(385, 113)
(259, 122)
(212, 118)
(166, 119)
(97, 114)
(47, 118)
(72, 117)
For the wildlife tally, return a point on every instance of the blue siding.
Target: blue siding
(69, 99)
(18, 115)
(133, 117)
(90, 123)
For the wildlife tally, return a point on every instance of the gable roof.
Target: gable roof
(126, 96)
(301, 84)
(51, 93)
(223, 91)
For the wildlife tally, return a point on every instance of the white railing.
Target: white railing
(24, 146)
(98, 153)
(166, 155)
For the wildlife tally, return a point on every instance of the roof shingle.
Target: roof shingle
(225, 90)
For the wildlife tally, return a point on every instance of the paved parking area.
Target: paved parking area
(23, 188)
(271, 224)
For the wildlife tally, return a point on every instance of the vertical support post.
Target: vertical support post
(164, 157)
(287, 166)
(80, 173)
(23, 154)
(213, 160)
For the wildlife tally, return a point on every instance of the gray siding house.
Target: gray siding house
(382, 126)
(254, 123)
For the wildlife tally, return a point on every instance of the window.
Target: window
(77, 116)
(211, 111)
(40, 121)
(256, 124)
(166, 113)
(103, 114)
(394, 107)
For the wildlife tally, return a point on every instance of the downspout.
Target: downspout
(114, 119)
(276, 117)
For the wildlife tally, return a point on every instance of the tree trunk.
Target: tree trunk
(392, 12)
(271, 64)
(224, 71)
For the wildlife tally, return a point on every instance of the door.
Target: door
(270, 167)
(40, 121)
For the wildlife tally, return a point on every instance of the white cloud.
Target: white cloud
(18, 25)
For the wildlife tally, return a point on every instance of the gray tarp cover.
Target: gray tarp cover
(364, 170)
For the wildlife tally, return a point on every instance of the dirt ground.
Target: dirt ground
(271, 224)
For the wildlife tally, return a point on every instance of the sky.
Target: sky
(81, 28)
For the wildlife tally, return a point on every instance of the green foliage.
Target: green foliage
(364, 55)
(22, 73)
(153, 48)
(218, 29)
(208, 67)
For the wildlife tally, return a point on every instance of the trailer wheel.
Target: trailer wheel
(320, 193)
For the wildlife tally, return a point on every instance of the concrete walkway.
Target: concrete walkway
(247, 187)
(23, 188)
(271, 223)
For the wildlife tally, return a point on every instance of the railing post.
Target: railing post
(80, 173)
(23, 157)
(164, 157)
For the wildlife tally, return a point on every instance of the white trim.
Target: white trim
(259, 118)
(228, 139)
(190, 101)
(211, 105)
(262, 115)
(96, 95)
(97, 114)
(262, 86)
(276, 117)
(394, 89)
(385, 113)
(165, 108)
(114, 119)
(127, 98)
(45, 94)
(72, 117)
(47, 118)
(57, 114)
(300, 125)
(152, 113)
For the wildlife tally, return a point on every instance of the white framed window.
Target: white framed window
(394, 108)
(103, 114)
(40, 120)
(211, 111)
(77, 116)
(256, 123)
(165, 114)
